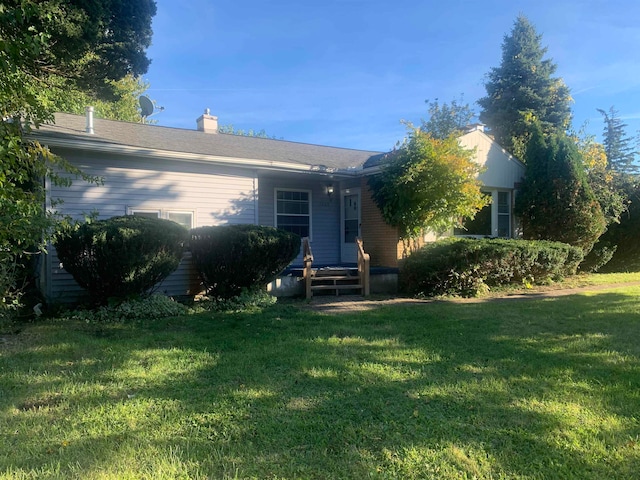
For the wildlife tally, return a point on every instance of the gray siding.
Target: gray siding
(325, 214)
(216, 196)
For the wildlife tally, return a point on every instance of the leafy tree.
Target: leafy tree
(41, 43)
(428, 183)
(447, 118)
(522, 89)
(230, 129)
(608, 188)
(556, 201)
(124, 106)
(617, 145)
(83, 41)
(606, 184)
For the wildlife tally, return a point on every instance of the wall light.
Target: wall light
(329, 190)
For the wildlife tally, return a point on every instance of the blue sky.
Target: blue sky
(346, 72)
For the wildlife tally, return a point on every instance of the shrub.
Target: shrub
(468, 266)
(232, 257)
(623, 236)
(599, 256)
(10, 295)
(247, 300)
(122, 256)
(152, 307)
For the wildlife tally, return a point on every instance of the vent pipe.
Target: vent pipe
(89, 112)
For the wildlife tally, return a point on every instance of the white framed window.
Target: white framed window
(186, 218)
(293, 211)
(503, 212)
(494, 220)
(183, 217)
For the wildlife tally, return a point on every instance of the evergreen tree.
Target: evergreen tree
(522, 89)
(556, 201)
(617, 145)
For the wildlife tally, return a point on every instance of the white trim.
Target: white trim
(256, 204)
(275, 207)
(494, 192)
(509, 214)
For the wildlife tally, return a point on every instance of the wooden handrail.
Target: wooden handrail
(307, 254)
(307, 259)
(363, 267)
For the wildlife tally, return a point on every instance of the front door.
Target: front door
(350, 224)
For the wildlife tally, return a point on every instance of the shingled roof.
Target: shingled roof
(200, 143)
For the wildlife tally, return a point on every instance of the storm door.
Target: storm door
(350, 224)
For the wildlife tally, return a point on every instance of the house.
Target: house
(202, 177)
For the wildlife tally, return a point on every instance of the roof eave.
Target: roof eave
(106, 147)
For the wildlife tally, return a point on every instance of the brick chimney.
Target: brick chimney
(207, 123)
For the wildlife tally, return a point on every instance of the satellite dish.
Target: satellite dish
(146, 105)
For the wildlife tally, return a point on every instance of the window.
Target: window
(145, 213)
(351, 218)
(293, 211)
(494, 220)
(504, 215)
(480, 225)
(182, 217)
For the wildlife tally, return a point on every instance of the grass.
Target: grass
(575, 281)
(600, 279)
(537, 388)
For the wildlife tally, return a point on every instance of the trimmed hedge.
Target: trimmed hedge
(231, 258)
(123, 256)
(466, 266)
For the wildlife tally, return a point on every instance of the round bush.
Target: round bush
(122, 256)
(468, 266)
(231, 258)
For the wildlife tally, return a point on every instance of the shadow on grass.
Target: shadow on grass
(542, 388)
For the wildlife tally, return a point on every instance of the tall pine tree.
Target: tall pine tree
(522, 89)
(617, 145)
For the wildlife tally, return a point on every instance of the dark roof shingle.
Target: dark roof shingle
(196, 142)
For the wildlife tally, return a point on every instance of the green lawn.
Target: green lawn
(540, 388)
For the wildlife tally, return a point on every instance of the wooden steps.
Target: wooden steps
(336, 279)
